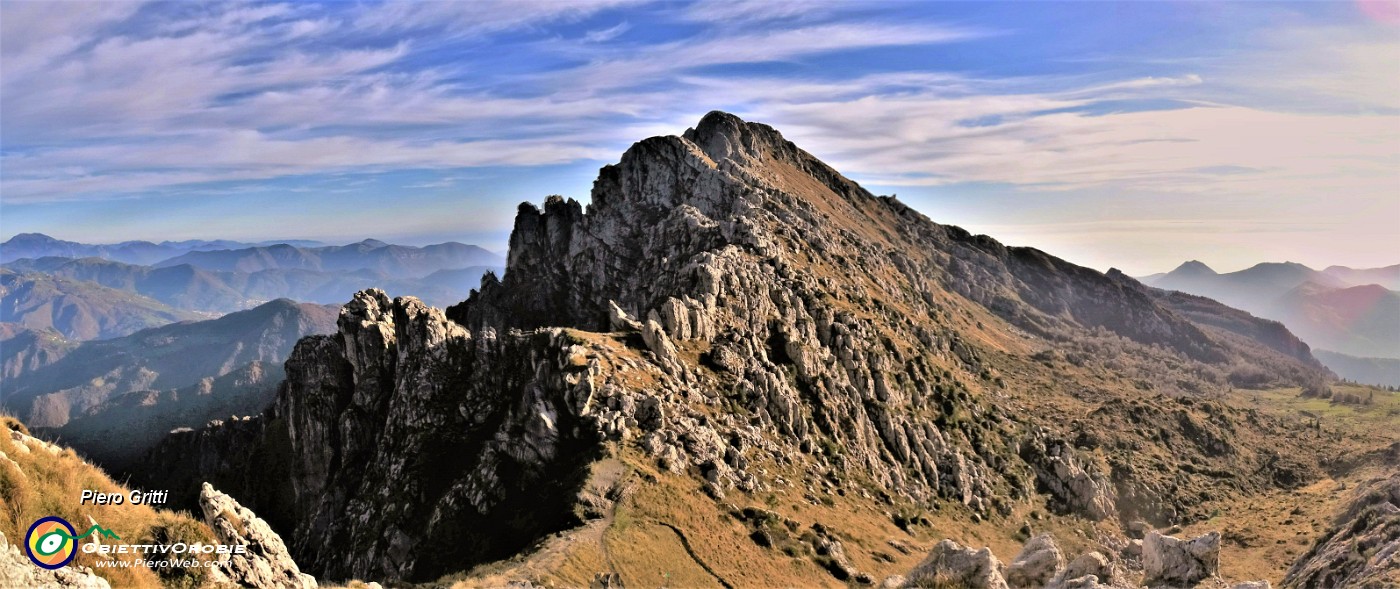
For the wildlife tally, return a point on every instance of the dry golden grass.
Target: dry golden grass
(46, 484)
(642, 540)
(348, 585)
(1263, 534)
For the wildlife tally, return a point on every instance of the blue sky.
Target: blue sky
(1134, 135)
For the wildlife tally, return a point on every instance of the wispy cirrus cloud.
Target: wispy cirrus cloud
(263, 91)
(129, 100)
(465, 19)
(748, 12)
(608, 34)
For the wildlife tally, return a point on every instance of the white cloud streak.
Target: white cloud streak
(245, 92)
(476, 17)
(608, 34)
(97, 104)
(746, 12)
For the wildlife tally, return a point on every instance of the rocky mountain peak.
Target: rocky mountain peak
(678, 216)
(733, 312)
(725, 137)
(29, 238)
(1193, 268)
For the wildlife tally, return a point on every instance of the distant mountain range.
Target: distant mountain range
(38, 245)
(1267, 281)
(225, 280)
(23, 350)
(398, 260)
(1347, 314)
(1382, 371)
(112, 398)
(80, 310)
(1357, 320)
(110, 355)
(218, 291)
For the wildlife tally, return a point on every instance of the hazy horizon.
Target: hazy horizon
(1135, 136)
(501, 245)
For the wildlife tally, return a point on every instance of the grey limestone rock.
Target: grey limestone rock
(1362, 549)
(1041, 565)
(1040, 561)
(1090, 564)
(950, 564)
(17, 571)
(1172, 562)
(1078, 485)
(266, 564)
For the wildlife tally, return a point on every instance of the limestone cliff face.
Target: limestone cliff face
(411, 435)
(405, 445)
(727, 307)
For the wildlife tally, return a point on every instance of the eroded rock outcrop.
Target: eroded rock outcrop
(1078, 487)
(394, 443)
(1037, 564)
(410, 435)
(1363, 547)
(266, 564)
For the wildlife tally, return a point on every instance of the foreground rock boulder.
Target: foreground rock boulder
(1173, 562)
(1040, 559)
(267, 563)
(950, 564)
(1090, 569)
(17, 571)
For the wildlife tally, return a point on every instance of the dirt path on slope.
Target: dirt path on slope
(696, 557)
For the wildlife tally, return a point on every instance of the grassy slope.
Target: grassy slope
(640, 542)
(1265, 533)
(49, 483)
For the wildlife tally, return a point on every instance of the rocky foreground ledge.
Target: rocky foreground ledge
(17, 571)
(266, 562)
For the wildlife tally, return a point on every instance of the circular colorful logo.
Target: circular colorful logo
(50, 543)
